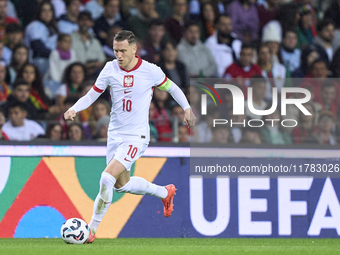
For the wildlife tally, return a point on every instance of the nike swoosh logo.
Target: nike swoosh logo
(127, 160)
(126, 92)
(107, 203)
(77, 238)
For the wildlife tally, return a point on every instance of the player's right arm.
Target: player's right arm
(91, 96)
(82, 104)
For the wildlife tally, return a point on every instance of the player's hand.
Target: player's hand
(70, 114)
(189, 118)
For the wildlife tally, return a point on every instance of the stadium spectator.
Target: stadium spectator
(323, 133)
(67, 23)
(74, 76)
(224, 44)
(242, 70)
(140, 50)
(18, 128)
(88, 49)
(21, 93)
(267, 11)
(174, 69)
(220, 134)
(161, 118)
(152, 43)
(245, 19)
(303, 132)
(178, 112)
(100, 109)
(59, 59)
(54, 132)
(5, 90)
(207, 20)
(274, 73)
(101, 129)
(110, 16)
(329, 97)
(291, 56)
(41, 35)
(139, 23)
(19, 59)
(31, 74)
(272, 132)
(183, 134)
(5, 20)
(259, 84)
(96, 8)
(191, 51)
(15, 35)
(75, 132)
(304, 28)
(251, 136)
(175, 24)
(108, 46)
(318, 73)
(271, 36)
(308, 56)
(323, 41)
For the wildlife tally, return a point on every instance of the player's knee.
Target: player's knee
(107, 182)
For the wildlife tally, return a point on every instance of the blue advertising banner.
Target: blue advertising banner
(240, 207)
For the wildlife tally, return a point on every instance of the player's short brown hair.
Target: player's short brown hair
(125, 35)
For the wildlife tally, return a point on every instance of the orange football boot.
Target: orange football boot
(167, 202)
(91, 238)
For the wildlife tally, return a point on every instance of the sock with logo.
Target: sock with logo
(103, 200)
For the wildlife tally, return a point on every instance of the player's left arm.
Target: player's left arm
(178, 95)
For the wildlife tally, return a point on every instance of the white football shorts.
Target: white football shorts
(124, 150)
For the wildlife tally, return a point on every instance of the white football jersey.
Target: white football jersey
(131, 94)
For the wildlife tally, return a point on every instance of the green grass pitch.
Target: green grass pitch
(173, 246)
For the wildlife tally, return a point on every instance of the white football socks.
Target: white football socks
(136, 185)
(140, 186)
(103, 200)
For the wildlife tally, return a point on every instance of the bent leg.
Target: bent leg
(140, 186)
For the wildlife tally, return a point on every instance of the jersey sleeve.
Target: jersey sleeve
(161, 81)
(103, 79)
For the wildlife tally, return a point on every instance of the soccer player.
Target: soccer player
(131, 82)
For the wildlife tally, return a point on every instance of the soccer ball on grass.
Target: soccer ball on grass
(74, 231)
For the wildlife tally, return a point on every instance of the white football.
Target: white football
(74, 231)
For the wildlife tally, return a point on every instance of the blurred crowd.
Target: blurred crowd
(52, 51)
